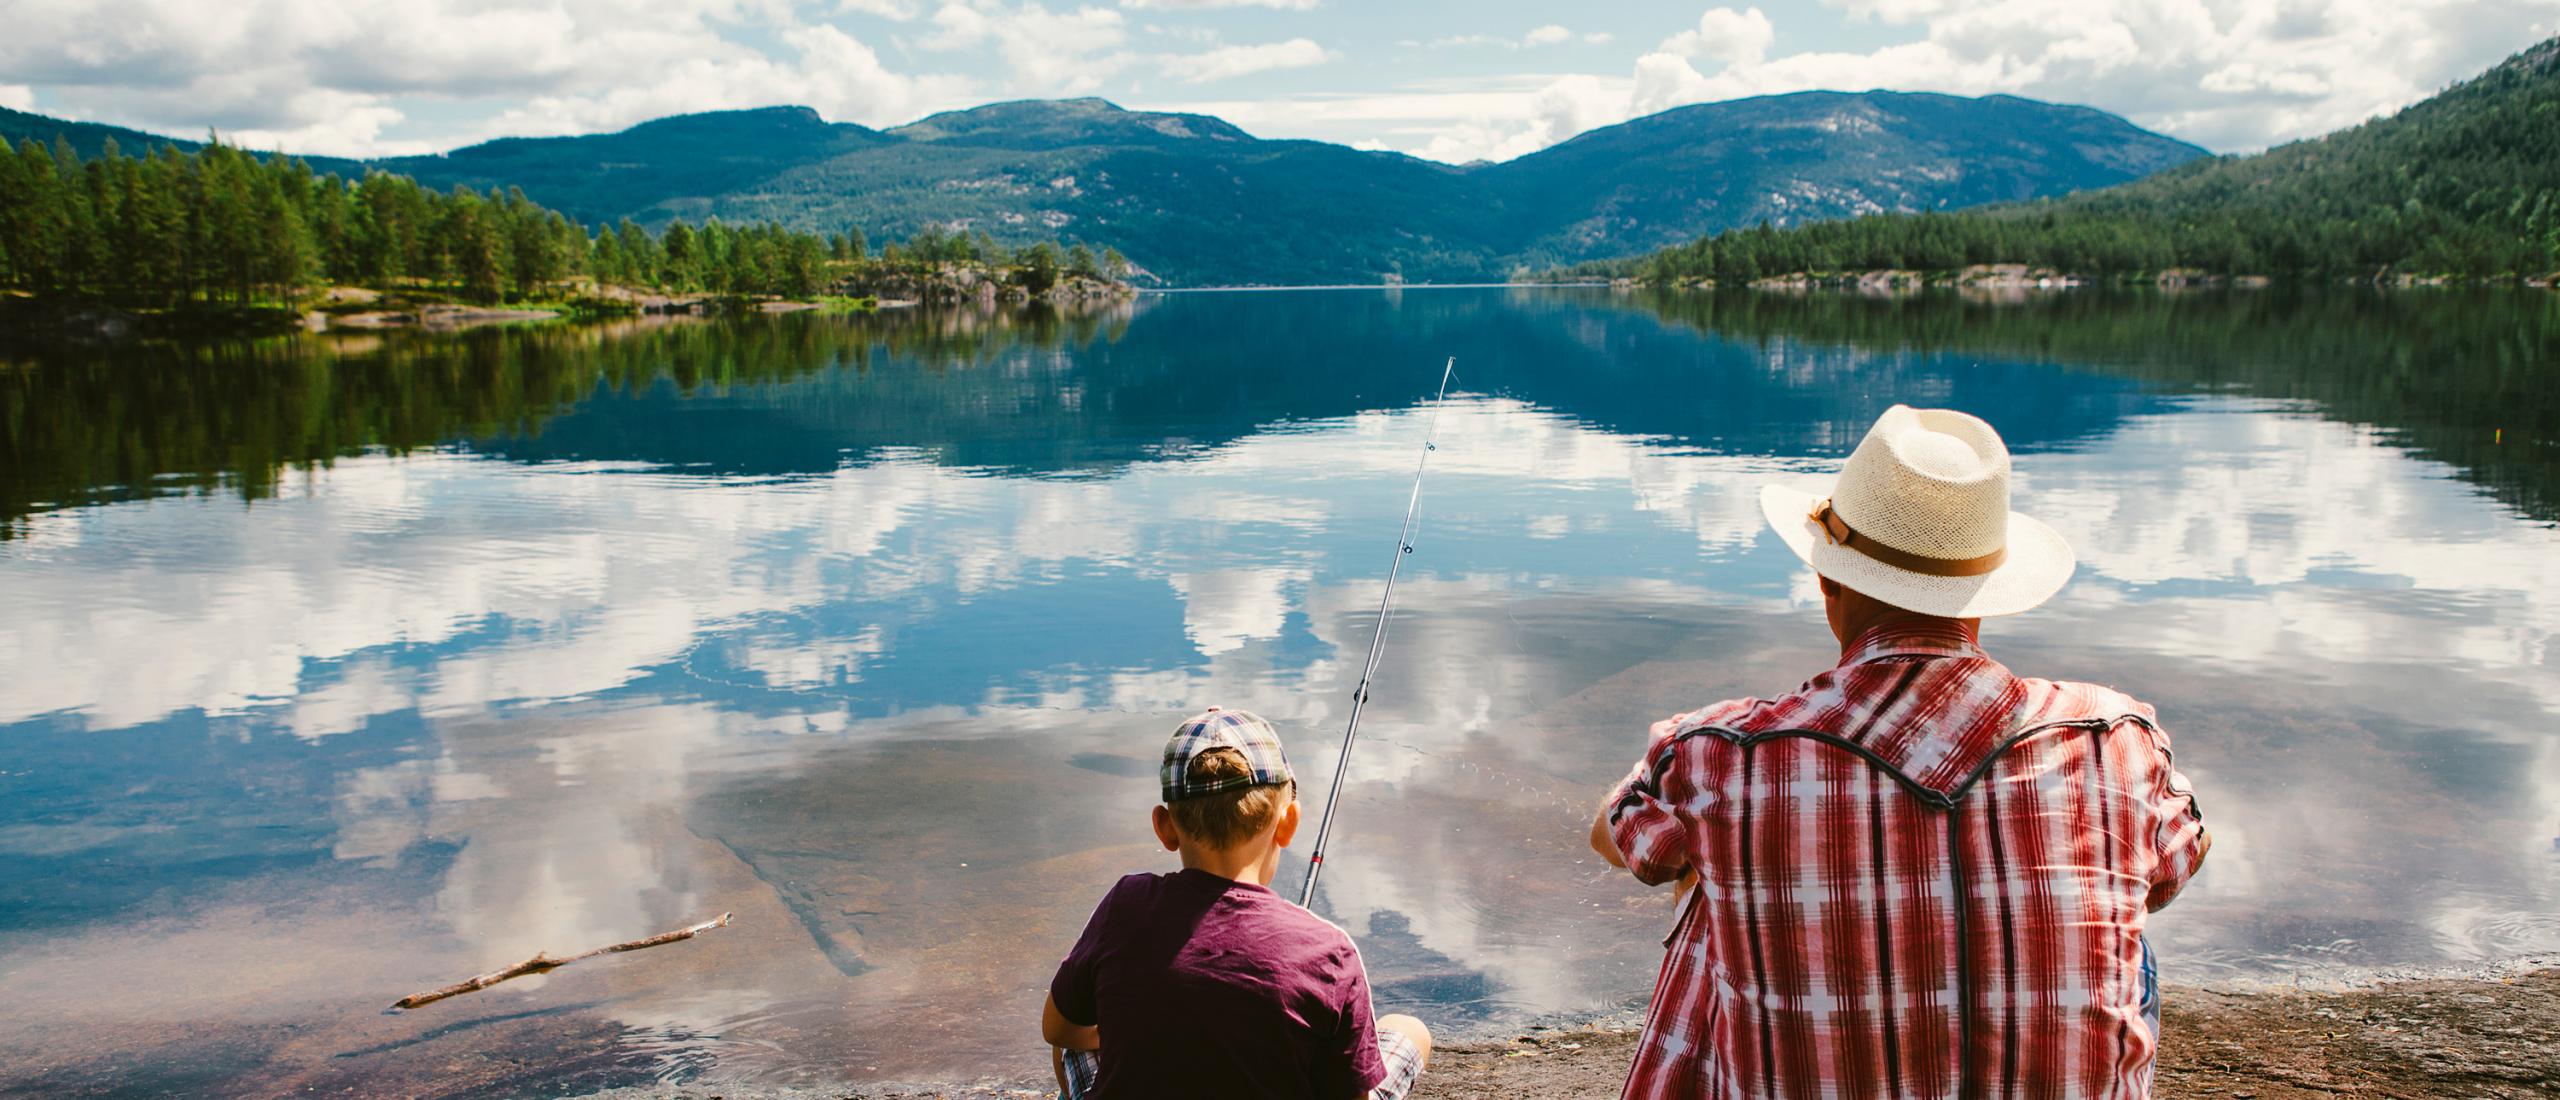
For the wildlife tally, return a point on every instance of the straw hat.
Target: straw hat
(1920, 519)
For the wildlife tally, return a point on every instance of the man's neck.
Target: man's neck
(1248, 862)
(1895, 618)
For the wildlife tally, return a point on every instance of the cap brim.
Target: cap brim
(2038, 565)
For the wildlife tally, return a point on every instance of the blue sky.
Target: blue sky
(1452, 81)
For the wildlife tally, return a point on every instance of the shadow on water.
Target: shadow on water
(458, 1027)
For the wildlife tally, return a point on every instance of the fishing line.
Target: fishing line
(1377, 639)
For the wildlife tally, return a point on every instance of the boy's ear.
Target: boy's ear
(1288, 826)
(1166, 833)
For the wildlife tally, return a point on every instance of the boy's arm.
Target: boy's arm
(1065, 1033)
(1075, 983)
(1352, 1065)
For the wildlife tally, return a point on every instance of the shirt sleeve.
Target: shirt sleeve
(2177, 833)
(1072, 988)
(1650, 836)
(1352, 1065)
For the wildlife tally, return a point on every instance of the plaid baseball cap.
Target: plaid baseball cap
(1216, 728)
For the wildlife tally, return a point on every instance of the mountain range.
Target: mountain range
(2461, 186)
(1194, 200)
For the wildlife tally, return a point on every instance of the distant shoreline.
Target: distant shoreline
(1907, 283)
(1364, 286)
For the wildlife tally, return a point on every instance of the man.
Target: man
(1919, 874)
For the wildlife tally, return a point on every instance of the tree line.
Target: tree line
(219, 225)
(106, 422)
(2464, 185)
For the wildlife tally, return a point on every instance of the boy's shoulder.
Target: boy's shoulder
(1145, 895)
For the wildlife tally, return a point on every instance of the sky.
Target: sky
(1451, 81)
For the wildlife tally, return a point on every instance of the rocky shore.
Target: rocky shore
(2484, 1037)
(2488, 1034)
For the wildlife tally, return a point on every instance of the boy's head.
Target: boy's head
(1227, 784)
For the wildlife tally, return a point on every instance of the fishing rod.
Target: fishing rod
(1377, 640)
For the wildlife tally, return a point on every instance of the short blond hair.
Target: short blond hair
(1228, 818)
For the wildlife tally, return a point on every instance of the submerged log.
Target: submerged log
(542, 963)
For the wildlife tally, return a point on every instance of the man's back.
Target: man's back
(1917, 871)
(1204, 985)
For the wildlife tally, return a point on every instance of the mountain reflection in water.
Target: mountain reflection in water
(342, 668)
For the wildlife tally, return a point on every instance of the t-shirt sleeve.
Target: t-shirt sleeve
(2177, 832)
(1351, 1065)
(1650, 836)
(1072, 988)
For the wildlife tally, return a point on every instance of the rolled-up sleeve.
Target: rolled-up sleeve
(1649, 832)
(2177, 832)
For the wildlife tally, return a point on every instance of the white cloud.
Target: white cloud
(1201, 5)
(2231, 75)
(343, 78)
(833, 72)
(1723, 34)
(1233, 61)
(400, 76)
(1551, 34)
(1043, 52)
(2227, 74)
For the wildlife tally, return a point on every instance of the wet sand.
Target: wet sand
(2456, 1036)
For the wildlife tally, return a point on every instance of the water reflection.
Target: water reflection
(867, 628)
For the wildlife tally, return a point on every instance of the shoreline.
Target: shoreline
(2472, 1030)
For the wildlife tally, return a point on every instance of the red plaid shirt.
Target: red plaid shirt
(1965, 923)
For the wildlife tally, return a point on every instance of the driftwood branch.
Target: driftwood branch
(542, 963)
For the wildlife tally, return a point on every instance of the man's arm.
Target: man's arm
(1064, 1033)
(2163, 893)
(2179, 839)
(1636, 829)
(1600, 840)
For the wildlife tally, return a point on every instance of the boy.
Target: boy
(1207, 982)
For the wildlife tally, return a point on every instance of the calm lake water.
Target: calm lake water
(332, 669)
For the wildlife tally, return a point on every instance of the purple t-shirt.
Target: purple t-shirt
(1205, 986)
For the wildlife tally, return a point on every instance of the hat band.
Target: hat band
(1840, 534)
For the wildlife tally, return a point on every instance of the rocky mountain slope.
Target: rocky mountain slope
(1194, 200)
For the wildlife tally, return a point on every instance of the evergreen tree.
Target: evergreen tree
(1039, 269)
(219, 225)
(677, 272)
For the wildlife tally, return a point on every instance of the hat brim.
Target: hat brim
(2038, 565)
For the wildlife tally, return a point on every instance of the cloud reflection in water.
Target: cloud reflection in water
(566, 702)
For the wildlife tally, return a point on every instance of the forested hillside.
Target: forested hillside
(216, 225)
(1195, 200)
(1648, 182)
(2465, 184)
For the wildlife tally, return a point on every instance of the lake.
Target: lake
(338, 668)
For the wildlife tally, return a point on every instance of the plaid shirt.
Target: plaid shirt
(1919, 875)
